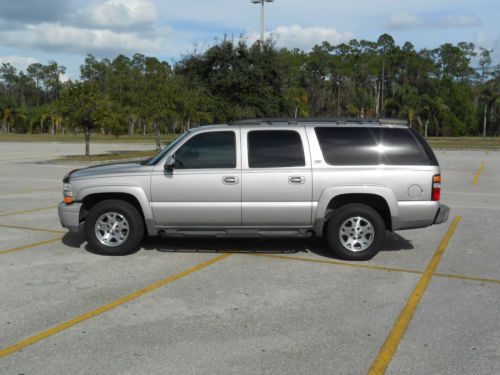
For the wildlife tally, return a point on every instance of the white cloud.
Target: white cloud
(492, 42)
(18, 62)
(411, 21)
(121, 13)
(296, 36)
(55, 37)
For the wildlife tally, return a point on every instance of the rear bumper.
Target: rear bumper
(442, 215)
(419, 214)
(69, 215)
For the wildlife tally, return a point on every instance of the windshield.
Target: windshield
(167, 148)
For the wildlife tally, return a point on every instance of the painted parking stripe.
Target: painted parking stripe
(26, 211)
(30, 246)
(52, 188)
(380, 268)
(32, 228)
(480, 170)
(90, 314)
(386, 353)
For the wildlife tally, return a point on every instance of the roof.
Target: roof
(316, 121)
(310, 122)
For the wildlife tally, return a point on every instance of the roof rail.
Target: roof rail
(334, 120)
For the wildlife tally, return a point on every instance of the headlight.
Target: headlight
(67, 193)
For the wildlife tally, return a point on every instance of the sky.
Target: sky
(66, 30)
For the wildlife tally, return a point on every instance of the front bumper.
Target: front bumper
(69, 215)
(442, 214)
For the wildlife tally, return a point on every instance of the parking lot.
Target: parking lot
(429, 303)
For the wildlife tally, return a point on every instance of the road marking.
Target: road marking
(380, 268)
(90, 314)
(353, 265)
(32, 228)
(480, 170)
(472, 194)
(26, 211)
(471, 278)
(30, 191)
(386, 353)
(29, 246)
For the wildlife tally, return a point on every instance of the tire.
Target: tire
(114, 227)
(355, 232)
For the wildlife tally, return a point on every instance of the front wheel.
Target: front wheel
(355, 232)
(114, 227)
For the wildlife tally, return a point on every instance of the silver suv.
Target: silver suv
(346, 180)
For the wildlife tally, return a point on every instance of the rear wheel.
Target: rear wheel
(114, 227)
(355, 232)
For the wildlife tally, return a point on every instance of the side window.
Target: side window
(401, 148)
(348, 146)
(275, 149)
(369, 146)
(208, 150)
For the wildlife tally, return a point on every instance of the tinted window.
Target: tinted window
(275, 148)
(369, 146)
(207, 150)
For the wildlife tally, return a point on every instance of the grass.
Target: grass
(71, 137)
(465, 143)
(110, 156)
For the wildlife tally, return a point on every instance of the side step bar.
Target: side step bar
(236, 233)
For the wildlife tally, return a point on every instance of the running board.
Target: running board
(237, 233)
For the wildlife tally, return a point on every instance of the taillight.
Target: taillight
(436, 187)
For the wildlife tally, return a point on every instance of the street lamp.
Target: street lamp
(261, 2)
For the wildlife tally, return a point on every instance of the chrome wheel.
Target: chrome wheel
(356, 233)
(112, 229)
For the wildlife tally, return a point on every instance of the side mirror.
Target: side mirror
(170, 162)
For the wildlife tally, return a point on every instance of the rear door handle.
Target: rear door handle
(230, 180)
(296, 179)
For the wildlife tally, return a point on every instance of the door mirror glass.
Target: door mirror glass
(170, 162)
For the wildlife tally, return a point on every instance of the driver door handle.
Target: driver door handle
(230, 180)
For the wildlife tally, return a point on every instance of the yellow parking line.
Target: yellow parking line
(480, 170)
(30, 191)
(32, 228)
(471, 278)
(384, 357)
(29, 246)
(70, 323)
(354, 265)
(381, 268)
(26, 211)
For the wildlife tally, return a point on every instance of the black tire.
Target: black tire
(341, 216)
(135, 231)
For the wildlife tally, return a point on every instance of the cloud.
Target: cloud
(121, 13)
(492, 42)
(18, 62)
(296, 36)
(35, 11)
(58, 38)
(412, 21)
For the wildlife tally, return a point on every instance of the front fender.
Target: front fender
(328, 194)
(136, 191)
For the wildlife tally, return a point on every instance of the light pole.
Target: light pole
(262, 2)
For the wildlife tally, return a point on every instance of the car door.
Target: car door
(276, 177)
(203, 189)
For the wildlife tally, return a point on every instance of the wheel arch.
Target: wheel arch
(380, 199)
(133, 195)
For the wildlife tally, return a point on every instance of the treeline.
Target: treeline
(452, 90)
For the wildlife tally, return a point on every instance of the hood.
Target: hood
(110, 169)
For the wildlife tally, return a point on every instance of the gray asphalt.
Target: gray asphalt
(252, 312)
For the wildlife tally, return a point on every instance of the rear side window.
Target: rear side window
(370, 146)
(207, 150)
(275, 149)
